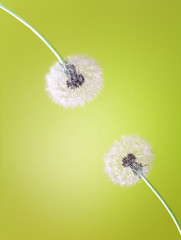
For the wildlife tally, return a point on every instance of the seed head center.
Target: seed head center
(75, 80)
(129, 161)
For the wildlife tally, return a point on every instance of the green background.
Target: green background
(53, 184)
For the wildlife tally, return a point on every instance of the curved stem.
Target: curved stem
(34, 30)
(163, 202)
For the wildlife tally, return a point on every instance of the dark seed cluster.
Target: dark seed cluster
(75, 80)
(129, 161)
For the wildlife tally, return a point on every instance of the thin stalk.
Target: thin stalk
(163, 202)
(34, 30)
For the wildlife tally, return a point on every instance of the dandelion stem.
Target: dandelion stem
(163, 202)
(34, 30)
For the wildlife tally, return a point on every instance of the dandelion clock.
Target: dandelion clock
(72, 81)
(129, 155)
(128, 161)
(75, 82)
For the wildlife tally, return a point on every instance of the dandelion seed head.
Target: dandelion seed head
(79, 81)
(130, 152)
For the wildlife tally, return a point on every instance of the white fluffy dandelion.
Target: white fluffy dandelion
(125, 156)
(128, 161)
(75, 82)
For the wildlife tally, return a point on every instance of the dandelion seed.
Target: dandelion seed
(74, 83)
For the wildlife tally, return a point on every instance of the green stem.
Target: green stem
(163, 202)
(34, 30)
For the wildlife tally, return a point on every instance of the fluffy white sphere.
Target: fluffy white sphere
(114, 160)
(57, 87)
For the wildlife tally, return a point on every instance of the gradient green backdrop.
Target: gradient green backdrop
(52, 181)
